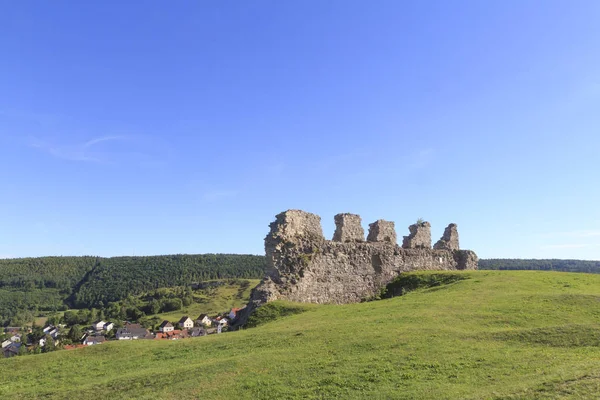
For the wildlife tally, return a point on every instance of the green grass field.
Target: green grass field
(495, 335)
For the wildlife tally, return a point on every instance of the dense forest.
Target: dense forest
(541, 265)
(116, 278)
(31, 285)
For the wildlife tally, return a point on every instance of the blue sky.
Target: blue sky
(153, 128)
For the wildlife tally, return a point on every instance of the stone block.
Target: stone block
(348, 228)
(382, 231)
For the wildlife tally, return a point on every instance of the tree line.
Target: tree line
(540, 265)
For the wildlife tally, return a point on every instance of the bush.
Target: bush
(273, 311)
(408, 282)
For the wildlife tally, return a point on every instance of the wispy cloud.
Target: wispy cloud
(103, 150)
(102, 139)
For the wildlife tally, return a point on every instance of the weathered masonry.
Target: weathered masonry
(303, 266)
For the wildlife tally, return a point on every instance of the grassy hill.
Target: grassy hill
(494, 335)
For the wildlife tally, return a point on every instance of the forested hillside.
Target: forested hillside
(44, 272)
(31, 285)
(116, 278)
(541, 265)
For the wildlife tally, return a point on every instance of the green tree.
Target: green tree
(75, 333)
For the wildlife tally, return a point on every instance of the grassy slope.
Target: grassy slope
(221, 299)
(521, 335)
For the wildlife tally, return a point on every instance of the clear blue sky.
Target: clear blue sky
(143, 127)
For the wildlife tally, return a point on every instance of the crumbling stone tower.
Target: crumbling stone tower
(449, 240)
(348, 228)
(382, 231)
(419, 238)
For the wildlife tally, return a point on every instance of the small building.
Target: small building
(98, 325)
(12, 330)
(197, 331)
(53, 333)
(93, 340)
(173, 335)
(133, 332)
(186, 322)
(166, 326)
(47, 329)
(11, 350)
(108, 326)
(204, 320)
(6, 343)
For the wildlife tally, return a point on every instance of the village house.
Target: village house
(6, 343)
(12, 330)
(11, 350)
(197, 331)
(98, 325)
(166, 326)
(173, 335)
(186, 322)
(133, 332)
(51, 331)
(204, 319)
(92, 340)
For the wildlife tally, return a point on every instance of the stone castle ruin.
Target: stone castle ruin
(303, 266)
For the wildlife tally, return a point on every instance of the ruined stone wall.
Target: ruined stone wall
(305, 267)
(419, 238)
(449, 240)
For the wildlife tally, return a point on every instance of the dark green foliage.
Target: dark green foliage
(61, 273)
(30, 285)
(541, 265)
(75, 333)
(408, 282)
(272, 311)
(115, 278)
(18, 307)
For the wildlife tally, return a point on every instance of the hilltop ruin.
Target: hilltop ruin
(305, 267)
